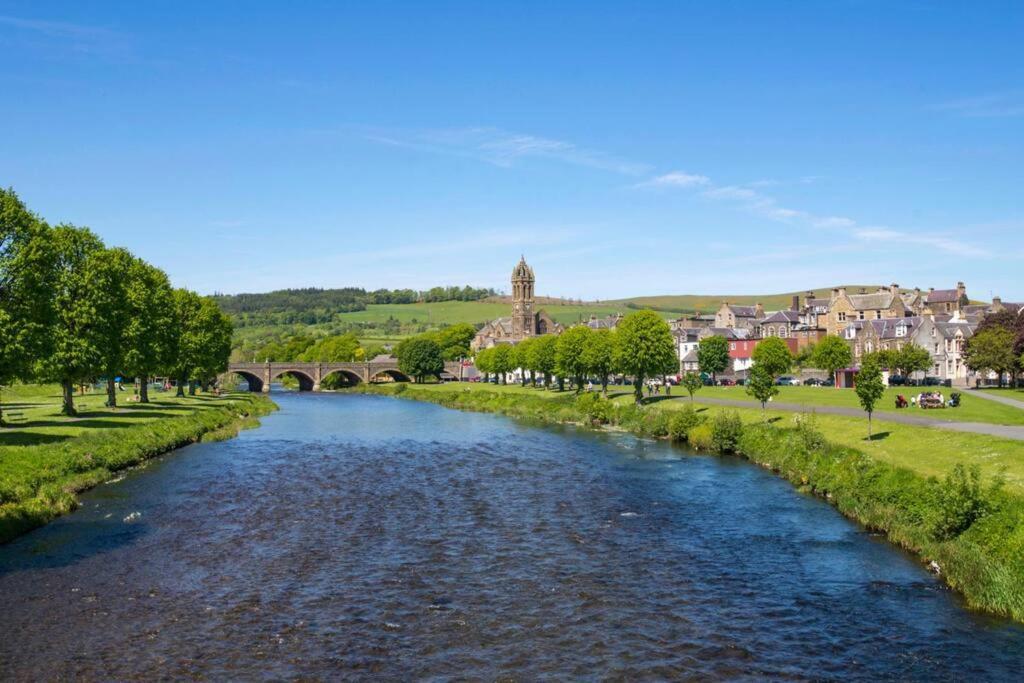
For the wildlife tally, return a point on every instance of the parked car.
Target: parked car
(897, 380)
(784, 381)
(726, 382)
(814, 382)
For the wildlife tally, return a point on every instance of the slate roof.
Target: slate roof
(870, 302)
(692, 334)
(949, 330)
(729, 332)
(743, 311)
(690, 357)
(942, 296)
(886, 327)
(782, 317)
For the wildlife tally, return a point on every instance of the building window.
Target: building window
(860, 315)
(878, 315)
(842, 317)
(856, 349)
(782, 331)
(732, 346)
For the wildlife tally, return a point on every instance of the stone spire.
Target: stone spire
(522, 300)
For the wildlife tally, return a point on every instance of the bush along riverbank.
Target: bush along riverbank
(39, 482)
(967, 529)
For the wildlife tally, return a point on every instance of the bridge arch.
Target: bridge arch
(255, 382)
(306, 383)
(342, 377)
(390, 375)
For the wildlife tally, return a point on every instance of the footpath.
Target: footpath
(1015, 432)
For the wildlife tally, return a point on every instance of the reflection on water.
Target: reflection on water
(363, 537)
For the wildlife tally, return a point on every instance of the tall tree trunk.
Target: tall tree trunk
(181, 387)
(143, 389)
(1, 413)
(638, 389)
(604, 385)
(111, 393)
(68, 405)
(869, 425)
(192, 387)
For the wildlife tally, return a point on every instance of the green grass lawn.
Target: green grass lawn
(451, 312)
(926, 450)
(972, 408)
(32, 413)
(1008, 392)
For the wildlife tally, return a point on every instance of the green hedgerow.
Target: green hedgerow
(595, 408)
(961, 500)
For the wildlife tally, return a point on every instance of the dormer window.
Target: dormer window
(901, 330)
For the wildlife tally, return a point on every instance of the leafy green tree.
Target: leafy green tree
(454, 340)
(912, 358)
(713, 355)
(108, 272)
(773, 355)
(341, 348)
(151, 337)
(599, 356)
(522, 358)
(692, 382)
(420, 358)
(832, 354)
(484, 362)
(804, 357)
(187, 305)
(214, 330)
(570, 357)
(869, 385)
(504, 361)
(25, 293)
(76, 354)
(992, 349)
(761, 385)
(544, 356)
(645, 348)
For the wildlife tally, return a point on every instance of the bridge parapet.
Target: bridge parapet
(310, 374)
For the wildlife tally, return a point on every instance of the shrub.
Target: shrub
(682, 421)
(655, 423)
(807, 430)
(961, 500)
(701, 437)
(726, 431)
(594, 407)
(628, 416)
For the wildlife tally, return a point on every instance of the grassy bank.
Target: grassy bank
(948, 507)
(46, 459)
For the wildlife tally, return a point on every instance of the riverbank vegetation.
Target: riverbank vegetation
(956, 500)
(73, 311)
(46, 458)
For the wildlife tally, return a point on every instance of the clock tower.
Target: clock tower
(523, 320)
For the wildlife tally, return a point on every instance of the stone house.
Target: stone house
(845, 308)
(733, 316)
(882, 334)
(779, 324)
(945, 341)
(946, 301)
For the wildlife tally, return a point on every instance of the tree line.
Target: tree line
(313, 305)
(998, 345)
(73, 310)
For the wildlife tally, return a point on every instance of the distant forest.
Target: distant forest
(313, 305)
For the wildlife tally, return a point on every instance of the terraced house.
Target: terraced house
(882, 334)
(945, 341)
(845, 308)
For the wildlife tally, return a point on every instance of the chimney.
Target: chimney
(895, 289)
(997, 304)
(840, 291)
(961, 290)
(758, 310)
(795, 306)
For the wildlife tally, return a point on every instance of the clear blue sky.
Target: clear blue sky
(625, 148)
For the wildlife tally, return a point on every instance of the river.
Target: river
(367, 537)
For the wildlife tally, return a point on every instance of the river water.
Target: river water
(364, 537)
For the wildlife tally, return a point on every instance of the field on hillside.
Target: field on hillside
(709, 303)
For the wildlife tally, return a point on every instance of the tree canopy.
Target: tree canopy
(832, 354)
(645, 348)
(420, 358)
(713, 354)
(869, 385)
(773, 356)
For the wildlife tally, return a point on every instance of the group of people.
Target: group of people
(929, 399)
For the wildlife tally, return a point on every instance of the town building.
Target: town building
(870, 336)
(687, 342)
(733, 316)
(845, 308)
(524, 322)
(946, 341)
(946, 301)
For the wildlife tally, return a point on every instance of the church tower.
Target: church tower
(522, 301)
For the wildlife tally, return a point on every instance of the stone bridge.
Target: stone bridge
(259, 376)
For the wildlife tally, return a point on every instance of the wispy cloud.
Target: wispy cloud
(941, 242)
(994, 105)
(56, 29)
(676, 179)
(503, 148)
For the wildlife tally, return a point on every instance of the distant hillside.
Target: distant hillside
(709, 303)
